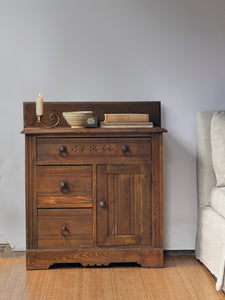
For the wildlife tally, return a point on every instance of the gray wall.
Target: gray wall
(172, 51)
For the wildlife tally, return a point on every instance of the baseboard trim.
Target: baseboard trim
(7, 251)
(179, 252)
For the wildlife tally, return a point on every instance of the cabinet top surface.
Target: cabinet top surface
(92, 131)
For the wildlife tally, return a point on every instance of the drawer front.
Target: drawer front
(67, 150)
(64, 228)
(64, 186)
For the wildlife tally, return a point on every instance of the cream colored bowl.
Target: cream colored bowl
(77, 119)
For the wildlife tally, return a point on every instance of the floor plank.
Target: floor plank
(13, 273)
(183, 277)
(165, 285)
(195, 274)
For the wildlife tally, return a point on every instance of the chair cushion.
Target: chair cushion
(217, 200)
(217, 132)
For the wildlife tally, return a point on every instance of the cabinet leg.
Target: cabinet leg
(33, 264)
(148, 262)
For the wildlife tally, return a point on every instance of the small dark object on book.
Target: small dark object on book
(92, 122)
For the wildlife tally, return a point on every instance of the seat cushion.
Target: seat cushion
(217, 132)
(217, 200)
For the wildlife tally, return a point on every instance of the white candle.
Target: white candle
(39, 105)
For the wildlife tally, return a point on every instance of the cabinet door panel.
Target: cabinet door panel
(124, 204)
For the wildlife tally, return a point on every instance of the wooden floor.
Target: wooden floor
(182, 278)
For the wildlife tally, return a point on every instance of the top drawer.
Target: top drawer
(92, 150)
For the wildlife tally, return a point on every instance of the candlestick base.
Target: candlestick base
(49, 118)
(39, 118)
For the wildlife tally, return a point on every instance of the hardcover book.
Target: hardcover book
(127, 125)
(126, 118)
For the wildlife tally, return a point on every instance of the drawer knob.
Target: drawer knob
(65, 231)
(64, 187)
(63, 151)
(102, 204)
(125, 150)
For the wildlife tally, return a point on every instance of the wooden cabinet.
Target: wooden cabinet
(93, 196)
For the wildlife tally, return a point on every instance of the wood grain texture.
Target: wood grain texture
(182, 278)
(64, 228)
(93, 132)
(44, 258)
(157, 191)
(31, 212)
(94, 210)
(92, 149)
(12, 280)
(79, 181)
(126, 217)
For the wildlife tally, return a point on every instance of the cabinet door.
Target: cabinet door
(124, 204)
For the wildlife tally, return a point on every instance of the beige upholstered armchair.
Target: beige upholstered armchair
(210, 241)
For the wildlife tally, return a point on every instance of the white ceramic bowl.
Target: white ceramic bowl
(77, 119)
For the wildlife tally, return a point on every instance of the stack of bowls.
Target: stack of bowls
(77, 119)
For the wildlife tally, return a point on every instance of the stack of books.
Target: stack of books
(126, 121)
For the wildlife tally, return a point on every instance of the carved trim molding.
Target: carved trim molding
(92, 148)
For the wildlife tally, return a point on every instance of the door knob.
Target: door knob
(64, 187)
(65, 231)
(102, 204)
(125, 150)
(63, 151)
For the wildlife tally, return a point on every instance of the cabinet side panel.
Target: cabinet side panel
(157, 191)
(94, 203)
(31, 215)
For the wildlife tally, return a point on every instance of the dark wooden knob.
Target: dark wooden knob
(63, 151)
(125, 150)
(64, 187)
(102, 204)
(65, 231)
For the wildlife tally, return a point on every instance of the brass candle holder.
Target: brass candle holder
(49, 117)
(39, 118)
